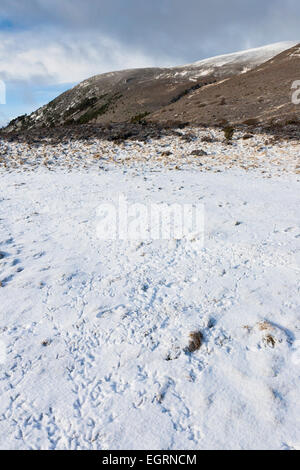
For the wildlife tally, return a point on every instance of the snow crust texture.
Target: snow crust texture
(95, 332)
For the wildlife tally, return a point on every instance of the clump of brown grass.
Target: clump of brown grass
(270, 341)
(265, 325)
(196, 340)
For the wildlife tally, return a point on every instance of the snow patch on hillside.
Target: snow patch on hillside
(254, 56)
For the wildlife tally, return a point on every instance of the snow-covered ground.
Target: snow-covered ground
(96, 331)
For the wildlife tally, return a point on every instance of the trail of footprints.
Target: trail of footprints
(10, 263)
(147, 328)
(95, 391)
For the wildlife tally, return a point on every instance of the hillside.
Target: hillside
(262, 95)
(162, 93)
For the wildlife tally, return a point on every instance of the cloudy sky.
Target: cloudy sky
(46, 46)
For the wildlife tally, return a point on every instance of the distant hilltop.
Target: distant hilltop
(252, 86)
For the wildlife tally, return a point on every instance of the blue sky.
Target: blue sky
(24, 98)
(47, 46)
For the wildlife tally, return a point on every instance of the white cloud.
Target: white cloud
(53, 42)
(47, 58)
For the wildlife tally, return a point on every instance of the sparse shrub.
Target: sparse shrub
(69, 122)
(182, 125)
(94, 113)
(188, 137)
(208, 139)
(172, 124)
(198, 153)
(269, 341)
(186, 92)
(120, 136)
(292, 122)
(228, 133)
(139, 118)
(82, 106)
(247, 136)
(251, 122)
(196, 339)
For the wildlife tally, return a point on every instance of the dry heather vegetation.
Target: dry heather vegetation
(204, 149)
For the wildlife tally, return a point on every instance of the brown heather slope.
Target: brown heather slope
(132, 95)
(262, 95)
(115, 97)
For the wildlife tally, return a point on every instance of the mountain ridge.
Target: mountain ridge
(262, 95)
(134, 95)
